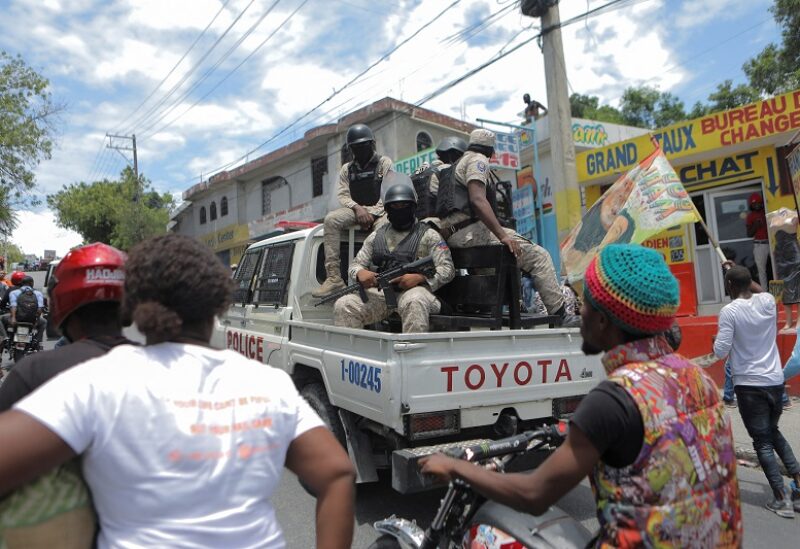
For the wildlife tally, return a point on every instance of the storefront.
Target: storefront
(229, 243)
(723, 160)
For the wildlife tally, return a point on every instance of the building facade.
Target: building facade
(297, 182)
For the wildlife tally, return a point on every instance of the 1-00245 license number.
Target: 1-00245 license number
(361, 375)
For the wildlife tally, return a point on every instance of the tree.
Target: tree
(121, 213)
(727, 97)
(13, 254)
(646, 107)
(27, 116)
(588, 106)
(777, 68)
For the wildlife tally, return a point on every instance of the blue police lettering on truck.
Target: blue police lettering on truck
(361, 375)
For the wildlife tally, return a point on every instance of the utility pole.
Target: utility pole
(562, 149)
(137, 185)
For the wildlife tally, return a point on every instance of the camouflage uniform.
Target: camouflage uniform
(345, 218)
(533, 259)
(413, 305)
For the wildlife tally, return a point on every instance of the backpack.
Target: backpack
(453, 197)
(27, 306)
(426, 199)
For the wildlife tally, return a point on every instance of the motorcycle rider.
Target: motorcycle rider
(402, 241)
(359, 194)
(654, 437)
(85, 293)
(23, 283)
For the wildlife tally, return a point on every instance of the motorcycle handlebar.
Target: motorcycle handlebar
(511, 445)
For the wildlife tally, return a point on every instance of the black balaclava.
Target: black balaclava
(402, 219)
(362, 152)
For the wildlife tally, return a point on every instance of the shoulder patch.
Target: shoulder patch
(481, 166)
(442, 245)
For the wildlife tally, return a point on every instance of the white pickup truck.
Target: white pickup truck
(391, 397)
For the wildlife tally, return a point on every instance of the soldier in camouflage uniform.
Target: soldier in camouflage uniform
(475, 224)
(401, 241)
(359, 194)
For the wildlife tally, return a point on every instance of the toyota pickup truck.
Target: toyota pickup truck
(390, 397)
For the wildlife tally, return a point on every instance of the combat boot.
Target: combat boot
(331, 284)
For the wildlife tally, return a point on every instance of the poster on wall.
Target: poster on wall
(524, 211)
(506, 152)
(794, 173)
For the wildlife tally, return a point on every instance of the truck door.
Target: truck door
(268, 312)
(233, 321)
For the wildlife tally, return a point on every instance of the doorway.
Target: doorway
(724, 211)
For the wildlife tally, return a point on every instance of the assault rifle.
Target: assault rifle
(421, 266)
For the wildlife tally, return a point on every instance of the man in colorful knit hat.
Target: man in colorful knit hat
(654, 438)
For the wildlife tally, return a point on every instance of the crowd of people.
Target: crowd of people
(174, 443)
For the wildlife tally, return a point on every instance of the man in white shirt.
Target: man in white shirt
(746, 335)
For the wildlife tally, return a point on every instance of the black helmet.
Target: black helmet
(359, 133)
(452, 143)
(27, 281)
(399, 192)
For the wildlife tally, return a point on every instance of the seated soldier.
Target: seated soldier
(474, 223)
(402, 241)
(359, 194)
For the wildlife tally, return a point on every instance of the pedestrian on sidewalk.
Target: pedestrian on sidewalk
(746, 335)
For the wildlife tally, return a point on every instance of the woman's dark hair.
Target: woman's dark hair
(173, 281)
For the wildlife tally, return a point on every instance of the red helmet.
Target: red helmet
(91, 273)
(754, 199)
(17, 277)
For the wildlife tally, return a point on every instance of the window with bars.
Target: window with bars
(266, 197)
(223, 206)
(319, 167)
(243, 277)
(273, 276)
(424, 141)
(202, 215)
(212, 211)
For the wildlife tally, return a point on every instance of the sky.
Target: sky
(209, 83)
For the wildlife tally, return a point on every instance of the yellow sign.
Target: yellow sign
(672, 244)
(226, 237)
(741, 125)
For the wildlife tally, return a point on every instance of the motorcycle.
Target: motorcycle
(465, 519)
(23, 340)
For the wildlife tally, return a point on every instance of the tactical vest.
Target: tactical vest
(365, 183)
(681, 491)
(404, 253)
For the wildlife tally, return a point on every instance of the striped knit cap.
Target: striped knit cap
(634, 287)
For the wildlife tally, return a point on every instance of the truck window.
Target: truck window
(244, 276)
(273, 276)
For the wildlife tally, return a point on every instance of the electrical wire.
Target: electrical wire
(139, 121)
(230, 73)
(211, 70)
(175, 66)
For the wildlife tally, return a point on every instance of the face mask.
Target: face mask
(362, 153)
(401, 218)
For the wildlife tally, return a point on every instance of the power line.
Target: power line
(337, 92)
(218, 84)
(175, 66)
(186, 76)
(211, 70)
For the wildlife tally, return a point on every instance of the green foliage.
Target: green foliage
(646, 107)
(586, 106)
(777, 68)
(27, 115)
(114, 212)
(13, 254)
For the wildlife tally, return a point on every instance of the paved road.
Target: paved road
(295, 510)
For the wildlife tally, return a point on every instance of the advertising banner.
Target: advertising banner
(524, 211)
(749, 123)
(506, 152)
(639, 205)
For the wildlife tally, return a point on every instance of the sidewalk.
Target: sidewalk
(789, 426)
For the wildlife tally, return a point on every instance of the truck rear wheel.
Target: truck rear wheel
(317, 398)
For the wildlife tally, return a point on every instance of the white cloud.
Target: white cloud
(37, 232)
(695, 13)
(173, 14)
(139, 57)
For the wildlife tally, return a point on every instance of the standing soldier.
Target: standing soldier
(472, 222)
(400, 242)
(359, 196)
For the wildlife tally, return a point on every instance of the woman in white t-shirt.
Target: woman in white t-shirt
(182, 444)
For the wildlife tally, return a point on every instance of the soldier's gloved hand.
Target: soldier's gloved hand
(363, 217)
(366, 278)
(409, 280)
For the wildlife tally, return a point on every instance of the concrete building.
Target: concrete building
(297, 182)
